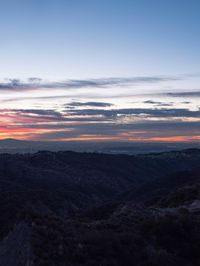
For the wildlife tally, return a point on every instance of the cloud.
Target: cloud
(186, 102)
(91, 104)
(39, 112)
(26, 116)
(136, 111)
(93, 116)
(151, 102)
(52, 112)
(37, 83)
(159, 103)
(125, 132)
(184, 94)
(80, 124)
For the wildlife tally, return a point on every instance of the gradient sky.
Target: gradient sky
(100, 70)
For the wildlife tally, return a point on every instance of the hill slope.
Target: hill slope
(69, 208)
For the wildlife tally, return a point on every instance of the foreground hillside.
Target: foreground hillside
(69, 208)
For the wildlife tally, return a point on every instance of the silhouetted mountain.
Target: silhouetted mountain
(26, 146)
(68, 208)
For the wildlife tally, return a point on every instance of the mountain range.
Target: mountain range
(124, 147)
(68, 208)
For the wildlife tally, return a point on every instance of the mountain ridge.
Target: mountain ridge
(87, 208)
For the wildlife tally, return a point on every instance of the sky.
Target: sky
(100, 70)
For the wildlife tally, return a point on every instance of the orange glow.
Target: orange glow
(24, 133)
(176, 139)
(34, 134)
(35, 126)
(91, 138)
(132, 139)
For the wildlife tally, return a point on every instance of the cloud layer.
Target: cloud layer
(37, 83)
(149, 108)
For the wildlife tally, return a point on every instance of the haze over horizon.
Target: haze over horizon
(100, 70)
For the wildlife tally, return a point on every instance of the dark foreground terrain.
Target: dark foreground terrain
(68, 208)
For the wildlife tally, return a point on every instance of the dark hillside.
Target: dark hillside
(68, 208)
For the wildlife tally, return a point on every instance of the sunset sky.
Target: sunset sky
(102, 70)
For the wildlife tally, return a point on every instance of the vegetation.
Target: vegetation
(74, 209)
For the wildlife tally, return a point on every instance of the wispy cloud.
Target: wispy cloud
(159, 103)
(184, 94)
(37, 83)
(87, 104)
(98, 124)
(134, 108)
(181, 112)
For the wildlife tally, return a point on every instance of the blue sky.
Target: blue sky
(91, 38)
(102, 69)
